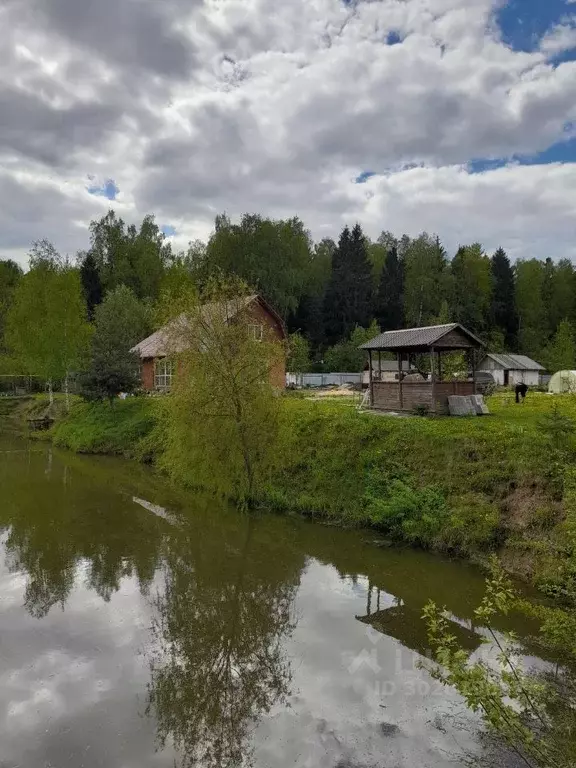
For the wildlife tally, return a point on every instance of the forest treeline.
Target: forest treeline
(333, 294)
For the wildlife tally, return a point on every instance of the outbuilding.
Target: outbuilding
(509, 370)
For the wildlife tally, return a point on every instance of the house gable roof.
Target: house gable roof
(426, 336)
(161, 342)
(515, 362)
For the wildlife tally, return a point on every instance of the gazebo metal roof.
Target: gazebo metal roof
(418, 338)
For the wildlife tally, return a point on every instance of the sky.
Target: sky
(457, 117)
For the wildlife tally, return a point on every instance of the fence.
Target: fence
(322, 379)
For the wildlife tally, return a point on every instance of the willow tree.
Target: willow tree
(220, 421)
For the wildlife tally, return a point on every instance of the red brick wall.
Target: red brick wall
(273, 331)
(148, 374)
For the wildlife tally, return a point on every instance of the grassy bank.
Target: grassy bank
(502, 483)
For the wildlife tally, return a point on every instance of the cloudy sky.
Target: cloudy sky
(454, 116)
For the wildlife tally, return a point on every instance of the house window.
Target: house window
(163, 373)
(256, 332)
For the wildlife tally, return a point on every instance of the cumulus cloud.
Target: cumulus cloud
(247, 105)
(562, 37)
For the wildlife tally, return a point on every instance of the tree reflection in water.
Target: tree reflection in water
(221, 664)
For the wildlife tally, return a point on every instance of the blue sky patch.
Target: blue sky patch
(108, 189)
(561, 152)
(168, 230)
(393, 38)
(523, 23)
(364, 176)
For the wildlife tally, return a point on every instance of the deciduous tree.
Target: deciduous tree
(425, 280)
(221, 417)
(471, 288)
(560, 354)
(47, 327)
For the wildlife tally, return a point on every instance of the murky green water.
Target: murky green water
(142, 629)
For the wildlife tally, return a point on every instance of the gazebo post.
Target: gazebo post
(473, 354)
(379, 365)
(399, 357)
(432, 378)
(370, 375)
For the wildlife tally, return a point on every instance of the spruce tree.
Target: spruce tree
(91, 284)
(349, 297)
(503, 312)
(390, 299)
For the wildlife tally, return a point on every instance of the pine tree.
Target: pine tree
(91, 284)
(349, 296)
(390, 299)
(503, 314)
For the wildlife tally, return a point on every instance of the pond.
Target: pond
(143, 628)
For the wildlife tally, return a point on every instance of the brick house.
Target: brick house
(264, 322)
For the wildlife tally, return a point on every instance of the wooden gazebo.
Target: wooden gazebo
(429, 389)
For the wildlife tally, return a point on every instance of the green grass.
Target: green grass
(102, 428)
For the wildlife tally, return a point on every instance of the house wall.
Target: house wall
(386, 395)
(531, 378)
(147, 372)
(273, 331)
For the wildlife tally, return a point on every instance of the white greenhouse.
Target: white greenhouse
(563, 381)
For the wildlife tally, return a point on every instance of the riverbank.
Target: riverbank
(504, 483)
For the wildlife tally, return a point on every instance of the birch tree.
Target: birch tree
(47, 329)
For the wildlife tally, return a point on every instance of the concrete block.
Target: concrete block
(479, 405)
(461, 405)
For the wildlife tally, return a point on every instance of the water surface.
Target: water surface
(142, 628)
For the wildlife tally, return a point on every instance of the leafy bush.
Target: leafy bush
(416, 515)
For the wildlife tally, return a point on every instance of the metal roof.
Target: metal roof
(515, 362)
(417, 337)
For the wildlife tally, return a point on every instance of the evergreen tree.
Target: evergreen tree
(560, 354)
(349, 296)
(121, 321)
(390, 299)
(503, 314)
(91, 284)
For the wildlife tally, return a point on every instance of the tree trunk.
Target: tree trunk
(67, 393)
(50, 392)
